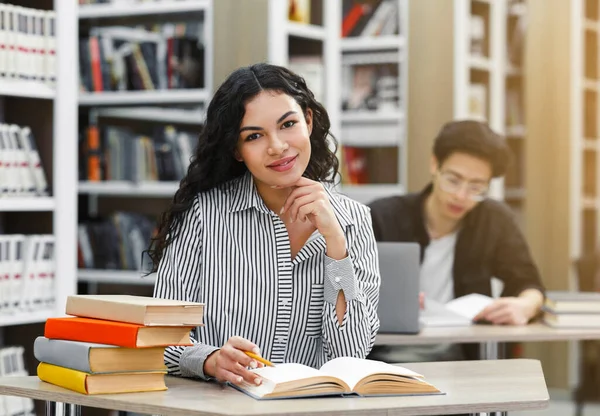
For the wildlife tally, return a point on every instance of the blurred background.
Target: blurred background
(101, 103)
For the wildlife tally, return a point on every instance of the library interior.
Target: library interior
(108, 101)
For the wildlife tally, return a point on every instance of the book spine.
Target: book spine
(63, 377)
(73, 355)
(112, 311)
(100, 332)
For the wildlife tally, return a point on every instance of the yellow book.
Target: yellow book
(110, 383)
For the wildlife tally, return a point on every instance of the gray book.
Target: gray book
(97, 358)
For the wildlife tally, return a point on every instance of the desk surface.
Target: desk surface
(489, 333)
(470, 386)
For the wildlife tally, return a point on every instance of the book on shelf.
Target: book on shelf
(370, 18)
(477, 102)
(169, 55)
(97, 358)
(341, 376)
(119, 153)
(12, 365)
(141, 310)
(28, 37)
(371, 87)
(21, 172)
(114, 243)
(312, 70)
(299, 11)
(106, 383)
(477, 32)
(121, 334)
(27, 268)
(514, 109)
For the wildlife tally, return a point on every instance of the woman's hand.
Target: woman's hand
(230, 362)
(309, 201)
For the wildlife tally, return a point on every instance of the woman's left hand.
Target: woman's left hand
(309, 201)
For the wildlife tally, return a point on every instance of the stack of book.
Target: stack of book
(113, 343)
(572, 309)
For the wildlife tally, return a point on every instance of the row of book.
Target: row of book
(376, 165)
(114, 343)
(26, 273)
(21, 171)
(12, 365)
(372, 87)
(28, 44)
(370, 18)
(157, 57)
(114, 243)
(119, 153)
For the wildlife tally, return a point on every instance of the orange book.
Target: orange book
(116, 333)
(93, 158)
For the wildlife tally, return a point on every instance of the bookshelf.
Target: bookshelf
(142, 111)
(471, 48)
(374, 74)
(49, 110)
(561, 152)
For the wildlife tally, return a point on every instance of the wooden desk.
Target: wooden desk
(488, 336)
(470, 387)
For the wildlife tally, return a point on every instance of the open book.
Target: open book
(340, 376)
(457, 312)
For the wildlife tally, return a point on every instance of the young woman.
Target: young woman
(286, 267)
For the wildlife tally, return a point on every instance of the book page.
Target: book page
(436, 314)
(282, 373)
(352, 370)
(470, 305)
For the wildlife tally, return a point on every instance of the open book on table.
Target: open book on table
(457, 312)
(340, 376)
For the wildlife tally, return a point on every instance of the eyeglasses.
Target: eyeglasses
(451, 183)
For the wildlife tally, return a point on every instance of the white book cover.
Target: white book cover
(4, 172)
(12, 20)
(27, 64)
(21, 43)
(13, 404)
(26, 179)
(16, 257)
(10, 160)
(4, 275)
(35, 166)
(3, 39)
(37, 45)
(45, 272)
(28, 291)
(50, 46)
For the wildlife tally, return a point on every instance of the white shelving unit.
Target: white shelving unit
(115, 276)
(158, 106)
(373, 50)
(63, 152)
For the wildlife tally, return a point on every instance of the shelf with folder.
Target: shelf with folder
(27, 204)
(115, 276)
(26, 89)
(21, 318)
(154, 114)
(180, 96)
(96, 11)
(367, 193)
(305, 31)
(372, 43)
(126, 188)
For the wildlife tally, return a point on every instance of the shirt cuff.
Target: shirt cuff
(339, 275)
(191, 363)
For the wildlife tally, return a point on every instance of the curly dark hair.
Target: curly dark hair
(475, 138)
(213, 162)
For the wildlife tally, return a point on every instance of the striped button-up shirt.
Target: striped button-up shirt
(233, 253)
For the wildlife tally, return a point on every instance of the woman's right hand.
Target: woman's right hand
(230, 362)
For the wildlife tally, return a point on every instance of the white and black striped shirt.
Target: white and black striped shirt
(233, 253)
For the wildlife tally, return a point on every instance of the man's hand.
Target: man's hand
(508, 311)
(230, 362)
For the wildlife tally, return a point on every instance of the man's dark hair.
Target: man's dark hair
(474, 138)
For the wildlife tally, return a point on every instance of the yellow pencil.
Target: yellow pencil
(259, 358)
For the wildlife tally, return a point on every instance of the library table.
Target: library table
(470, 387)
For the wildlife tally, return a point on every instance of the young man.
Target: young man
(466, 238)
